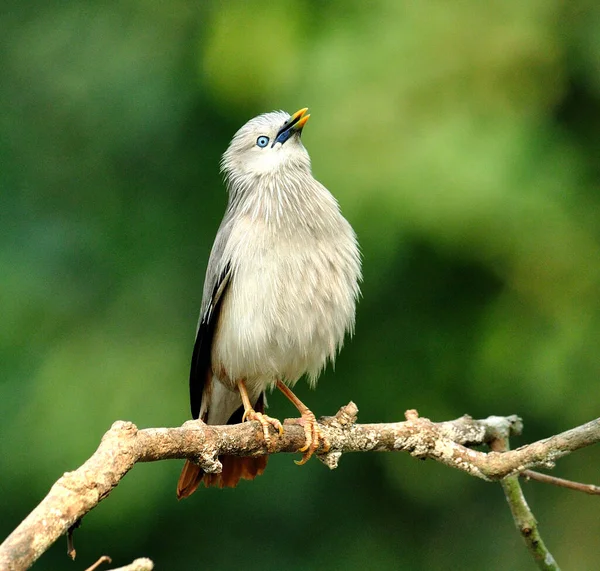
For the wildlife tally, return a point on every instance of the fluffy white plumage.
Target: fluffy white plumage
(294, 268)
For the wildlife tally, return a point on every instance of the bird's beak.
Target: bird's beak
(293, 125)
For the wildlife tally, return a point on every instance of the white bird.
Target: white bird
(280, 290)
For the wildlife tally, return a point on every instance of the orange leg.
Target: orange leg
(312, 432)
(251, 414)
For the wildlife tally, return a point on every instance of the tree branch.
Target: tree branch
(523, 517)
(77, 492)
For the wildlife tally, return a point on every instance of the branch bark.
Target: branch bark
(523, 517)
(77, 492)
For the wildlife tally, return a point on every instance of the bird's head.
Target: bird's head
(267, 145)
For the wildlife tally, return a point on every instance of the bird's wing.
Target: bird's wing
(218, 279)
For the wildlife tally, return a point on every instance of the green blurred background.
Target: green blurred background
(462, 141)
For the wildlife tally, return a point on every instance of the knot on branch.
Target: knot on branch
(345, 417)
(207, 456)
(502, 427)
(120, 432)
(411, 414)
(420, 437)
(122, 426)
(338, 427)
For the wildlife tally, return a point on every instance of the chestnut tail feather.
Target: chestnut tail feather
(235, 468)
(189, 480)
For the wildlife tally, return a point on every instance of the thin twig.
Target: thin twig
(523, 517)
(103, 559)
(141, 564)
(561, 482)
(71, 551)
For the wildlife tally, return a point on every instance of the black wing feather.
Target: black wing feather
(201, 366)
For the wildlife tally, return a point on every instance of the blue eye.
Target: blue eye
(262, 141)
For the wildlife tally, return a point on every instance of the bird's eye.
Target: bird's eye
(262, 141)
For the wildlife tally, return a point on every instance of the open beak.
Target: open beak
(293, 125)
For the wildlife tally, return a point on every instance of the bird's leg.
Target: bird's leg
(312, 432)
(251, 414)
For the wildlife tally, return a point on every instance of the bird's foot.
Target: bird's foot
(313, 434)
(265, 421)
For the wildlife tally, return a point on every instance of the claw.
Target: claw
(251, 414)
(313, 435)
(265, 421)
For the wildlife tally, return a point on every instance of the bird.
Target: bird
(280, 292)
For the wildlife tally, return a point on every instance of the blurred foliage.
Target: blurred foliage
(461, 140)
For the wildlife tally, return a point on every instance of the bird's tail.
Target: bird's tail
(235, 468)
(189, 480)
